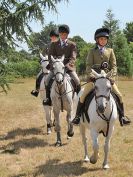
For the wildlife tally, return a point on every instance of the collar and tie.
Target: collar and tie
(101, 49)
(63, 43)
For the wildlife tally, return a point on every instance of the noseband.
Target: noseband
(63, 74)
(104, 96)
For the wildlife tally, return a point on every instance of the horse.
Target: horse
(63, 98)
(47, 109)
(102, 113)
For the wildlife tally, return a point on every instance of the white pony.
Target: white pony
(62, 97)
(102, 113)
(47, 109)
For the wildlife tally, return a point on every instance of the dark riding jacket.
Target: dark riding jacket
(69, 50)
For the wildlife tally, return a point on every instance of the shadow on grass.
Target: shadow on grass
(55, 168)
(14, 147)
(21, 132)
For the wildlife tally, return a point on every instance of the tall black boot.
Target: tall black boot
(124, 120)
(76, 120)
(48, 99)
(38, 82)
(78, 88)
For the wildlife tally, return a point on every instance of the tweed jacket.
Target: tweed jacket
(69, 50)
(95, 57)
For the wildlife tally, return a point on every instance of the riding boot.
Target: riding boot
(35, 93)
(76, 120)
(38, 82)
(48, 99)
(78, 89)
(124, 120)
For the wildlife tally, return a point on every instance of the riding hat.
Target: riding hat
(64, 29)
(101, 32)
(53, 33)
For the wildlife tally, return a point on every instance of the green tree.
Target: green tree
(41, 40)
(15, 17)
(128, 31)
(113, 25)
(123, 55)
(83, 48)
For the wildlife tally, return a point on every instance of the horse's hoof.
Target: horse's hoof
(86, 159)
(70, 134)
(93, 161)
(49, 131)
(105, 167)
(58, 144)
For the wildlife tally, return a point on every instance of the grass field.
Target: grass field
(27, 151)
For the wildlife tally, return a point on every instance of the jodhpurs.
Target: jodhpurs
(72, 74)
(89, 86)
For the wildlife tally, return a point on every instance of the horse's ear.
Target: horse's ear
(46, 57)
(103, 73)
(62, 58)
(42, 57)
(52, 58)
(94, 73)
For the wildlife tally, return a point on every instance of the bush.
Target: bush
(23, 69)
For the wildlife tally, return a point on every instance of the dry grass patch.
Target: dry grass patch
(27, 151)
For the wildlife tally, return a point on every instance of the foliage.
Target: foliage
(23, 69)
(128, 31)
(16, 15)
(40, 40)
(3, 80)
(113, 25)
(83, 48)
(123, 55)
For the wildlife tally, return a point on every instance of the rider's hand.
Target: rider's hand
(112, 81)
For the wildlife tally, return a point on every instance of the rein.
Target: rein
(107, 120)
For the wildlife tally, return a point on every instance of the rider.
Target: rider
(97, 56)
(67, 48)
(53, 38)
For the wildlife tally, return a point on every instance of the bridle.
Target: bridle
(42, 69)
(55, 75)
(104, 96)
(102, 115)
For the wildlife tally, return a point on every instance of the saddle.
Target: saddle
(87, 102)
(89, 98)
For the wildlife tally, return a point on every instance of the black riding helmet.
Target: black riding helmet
(64, 29)
(101, 32)
(54, 33)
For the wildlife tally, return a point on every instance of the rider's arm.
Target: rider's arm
(73, 53)
(113, 65)
(51, 52)
(89, 63)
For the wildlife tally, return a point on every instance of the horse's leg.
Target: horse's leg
(84, 141)
(94, 136)
(70, 132)
(47, 110)
(107, 147)
(57, 126)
